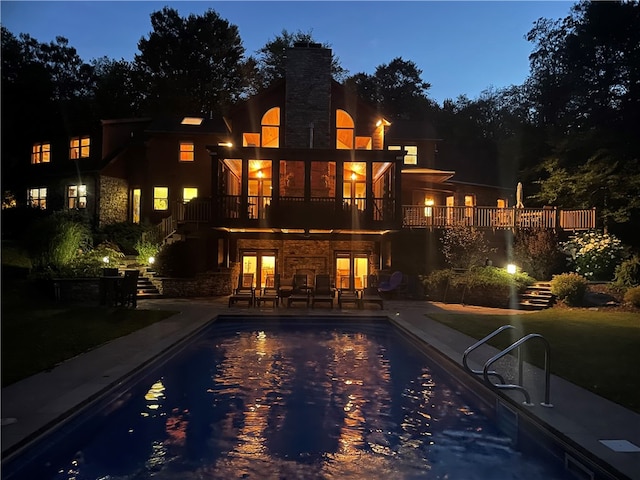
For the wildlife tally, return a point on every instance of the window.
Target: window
(429, 202)
(363, 143)
(77, 196)
(37, 197)
(79, 147)
(192, 121)
(41, 153)
(411, 158)
(271, 128)
(250, 139)
(186, 152)
(502, 203)
(160, 198)
(189, 193)
(344, 130)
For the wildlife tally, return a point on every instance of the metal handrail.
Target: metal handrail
(547, 369)
(476, 345)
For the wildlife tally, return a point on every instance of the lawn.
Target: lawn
(37, 334)
(598, 350)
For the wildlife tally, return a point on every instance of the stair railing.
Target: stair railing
(547, 369)
(479, 343)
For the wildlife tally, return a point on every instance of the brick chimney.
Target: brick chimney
(308, 96)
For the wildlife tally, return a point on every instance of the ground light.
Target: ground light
(511, 268)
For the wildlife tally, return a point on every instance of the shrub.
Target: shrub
(176, 259)
(538, 252)
(628, 272)
(632, 296)
(569, 288)
(594, 255)
(91, 262)
(146, 249)
(464, 246)
(123, 234)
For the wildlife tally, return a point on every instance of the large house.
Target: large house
(302, 178)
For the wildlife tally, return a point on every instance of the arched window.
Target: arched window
(344, 130)
(271, 128)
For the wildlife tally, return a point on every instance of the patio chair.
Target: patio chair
(323, 291)
(270, 292)
(390, 287)
(300, 291)
(347, 294)
(370, 294)
(128, 289)
(244, 291)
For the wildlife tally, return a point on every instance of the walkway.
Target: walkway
(34, 405)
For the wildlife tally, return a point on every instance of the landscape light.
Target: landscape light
(151, 260)
(105, 260)
(511, 268)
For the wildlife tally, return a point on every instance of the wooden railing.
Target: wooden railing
(493, 217)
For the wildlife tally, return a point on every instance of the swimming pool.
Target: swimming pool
(287, 398)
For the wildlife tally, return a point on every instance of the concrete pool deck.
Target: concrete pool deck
(34, 405)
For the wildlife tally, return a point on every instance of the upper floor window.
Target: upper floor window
(189, 193)
(187, 151)
(344, 130)
(77, 196)
(79, 147)
(411, 158)
(502, 203)
(37, 197)
(41, 153)
(271, 128)
(160, 198)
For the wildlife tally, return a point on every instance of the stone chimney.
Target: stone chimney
(308, 96)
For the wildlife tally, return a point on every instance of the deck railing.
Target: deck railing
(418, 216)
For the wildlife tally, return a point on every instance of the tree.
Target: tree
(396, 88)
(271, 59)
(191, 65)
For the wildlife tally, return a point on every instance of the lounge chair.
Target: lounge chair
(270, 292)
(390, 287)
(323, 291)
(347, 294)
(244, 291)
(370, 294)
(301, 290)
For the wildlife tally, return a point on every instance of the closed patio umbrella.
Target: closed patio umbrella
(519, 197)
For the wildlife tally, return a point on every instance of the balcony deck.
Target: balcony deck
(374, 214)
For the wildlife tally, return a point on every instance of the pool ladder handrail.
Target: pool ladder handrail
(516, 345)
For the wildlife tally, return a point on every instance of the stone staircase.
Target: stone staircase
(537, 297)
(146, 288)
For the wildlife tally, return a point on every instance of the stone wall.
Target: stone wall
(114, 200)
(208, 284)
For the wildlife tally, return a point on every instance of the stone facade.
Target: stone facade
(208, 284)
(114, 200)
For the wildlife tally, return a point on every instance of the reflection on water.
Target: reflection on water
(299, 404)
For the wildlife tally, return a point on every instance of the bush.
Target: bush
(538, 252)
(487, 286)
(464, 246)
(594, 255)
(569, 288)
(628, 272)
(632, 296)
(176, 259)
(145, 250)
(123, 234)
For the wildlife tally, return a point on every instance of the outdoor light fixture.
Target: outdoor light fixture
(152, 260)
(225, 144)
(511, 268)
(105, 260)
(378, 123)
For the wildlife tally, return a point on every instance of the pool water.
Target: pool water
(289, 400)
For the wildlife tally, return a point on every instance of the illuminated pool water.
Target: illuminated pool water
(285, 400)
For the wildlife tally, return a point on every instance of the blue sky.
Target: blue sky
(462, 47)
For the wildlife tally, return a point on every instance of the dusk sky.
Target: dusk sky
(461, 47)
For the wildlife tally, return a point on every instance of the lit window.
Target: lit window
(192, 121)
(77, 196)
(363, 143)
(344, 130)
(37, 197)
(41, 153)
(79, 147)
(502, 203)
(160, 198)
(428, 208)
(186, 151)
(189, 193)
(271, 128)
(250, 139)
(411, 158)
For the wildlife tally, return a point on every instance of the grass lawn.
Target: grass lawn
(598, 350)
(37, 335)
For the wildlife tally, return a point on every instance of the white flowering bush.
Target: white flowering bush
(594, 255)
